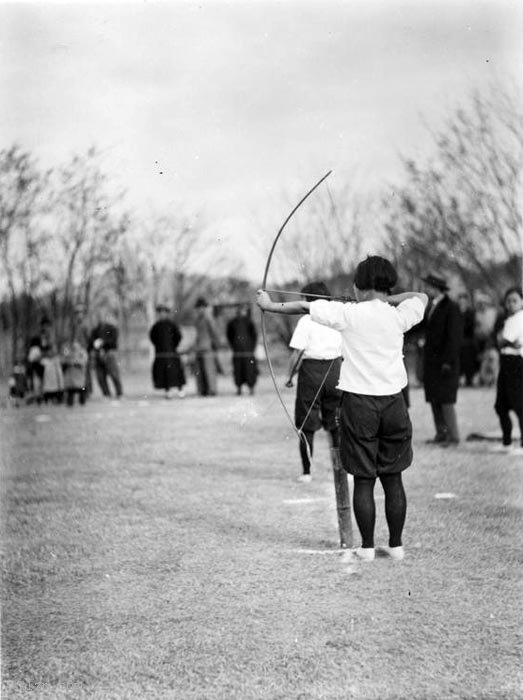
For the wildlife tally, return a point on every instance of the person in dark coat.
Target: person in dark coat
(167, 367)
(443, 338)
(242, 337)
(468, 354)
(103, 345)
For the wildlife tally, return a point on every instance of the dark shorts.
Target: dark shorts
(509, 394)
(318, 406)
(376, 434)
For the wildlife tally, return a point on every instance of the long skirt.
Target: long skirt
(168, 372)
(245, 369)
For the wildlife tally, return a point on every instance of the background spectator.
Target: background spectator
(443, 337)
(242, 337)
(167, 370)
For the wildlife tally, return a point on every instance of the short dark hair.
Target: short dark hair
(201, 302)
(315, 290)
(513, 290)
(375, 273)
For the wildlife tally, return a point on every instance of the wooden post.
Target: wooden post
(343, 507)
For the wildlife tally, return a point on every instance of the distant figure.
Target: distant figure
(167, 370)
(242, 337)
(38, 345)
(509, 394)
(489, 367)
(74, 363)
(205, 346)
(17, 383)
(103, 345)
(53, 378)
(443, 337)
(468, 352)
(81, 335)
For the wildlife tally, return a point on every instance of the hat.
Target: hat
(162, 307)
(437, 282)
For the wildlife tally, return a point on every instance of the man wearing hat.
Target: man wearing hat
(205, 346)
(443, 338)
(167, 368)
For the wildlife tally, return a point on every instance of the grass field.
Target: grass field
(159, 549)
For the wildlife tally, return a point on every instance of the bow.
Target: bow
(298, 431)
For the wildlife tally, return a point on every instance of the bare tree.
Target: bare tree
(461, 211)
(90, 223)
(324, 239)
(176, 252)
(23, 204)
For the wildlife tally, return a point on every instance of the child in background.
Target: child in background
(317, 359)
(74, 364)
(509, 394)
(53, 378)
(376, 432)
(18, 383)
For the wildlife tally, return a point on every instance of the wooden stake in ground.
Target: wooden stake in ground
(343, 509)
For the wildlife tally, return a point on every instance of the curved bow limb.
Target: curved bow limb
(296, 430)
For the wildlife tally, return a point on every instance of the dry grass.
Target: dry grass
(153, 551)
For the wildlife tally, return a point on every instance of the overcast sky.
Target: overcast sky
(222, 106)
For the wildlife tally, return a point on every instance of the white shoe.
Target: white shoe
(516, 451)
(501, 448)
(304, 479)
(358, 554)
(181, 393)
(168, 394)
(396, 553)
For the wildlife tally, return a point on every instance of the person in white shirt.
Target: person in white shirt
(317, 359)
(376, 433)
(509, 394)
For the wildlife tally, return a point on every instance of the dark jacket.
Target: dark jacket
(165, 336)
(107, 333)
(443, 338)
(241, 334)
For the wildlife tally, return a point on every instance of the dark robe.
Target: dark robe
(167, 367)
(443, 338)
(468, 356)
(242, 337)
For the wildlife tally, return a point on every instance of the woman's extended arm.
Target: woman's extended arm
(289, 307)
(396, 299)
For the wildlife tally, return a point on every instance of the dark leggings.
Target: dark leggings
(365, 508)
(306, 449)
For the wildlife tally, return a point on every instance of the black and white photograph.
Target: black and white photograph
(261, 349)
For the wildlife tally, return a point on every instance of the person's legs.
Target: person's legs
(365, 509)
(237, 373)
(505, 423)
(439, 422)
(306, 449)
(502, 405)
(101, 376)
(201, 379)
(210, 373)
(251, 373)
(306, 411)
(70, 397)
(448, 411)
(395, 506)
(113, 371)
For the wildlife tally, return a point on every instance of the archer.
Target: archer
(316, 358)
(376, 432)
